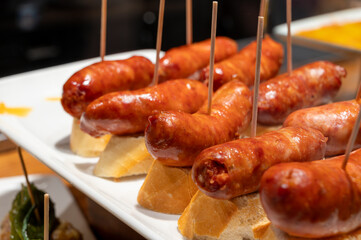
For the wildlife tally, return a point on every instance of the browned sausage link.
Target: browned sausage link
(176, 138)
(181, 62)
(242, 65)
(231, 169)
(315, 199)
(311, 85)
(100, 78)
(127, 112)
(335, 121)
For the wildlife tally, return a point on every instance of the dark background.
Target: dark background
(41, 33)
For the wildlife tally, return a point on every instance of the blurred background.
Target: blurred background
(41, 33)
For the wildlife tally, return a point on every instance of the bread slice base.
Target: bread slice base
(167, 189)
(123, 156)
(83, 144)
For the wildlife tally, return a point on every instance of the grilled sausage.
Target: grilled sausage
(315, 199)
(181, 62)
(231, 169)
(126, 112)
(311, 85)
(242, 65)
(100, 78)
(335, 121)
(175, 138)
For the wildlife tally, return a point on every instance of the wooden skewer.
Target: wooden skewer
(289, 38)
(211, 60)
(159, 40)
(257, 76)
(354, 132)
(358, 95)
(30, 192)
(103, 29)
(352, 139)
(46, 216)
(261, 8)
(189, 21)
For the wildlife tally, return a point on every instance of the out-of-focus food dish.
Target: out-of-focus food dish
(345, 34)
(332, 32)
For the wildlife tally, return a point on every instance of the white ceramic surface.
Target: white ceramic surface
(339, 17)
(45, 134)
(65, 205)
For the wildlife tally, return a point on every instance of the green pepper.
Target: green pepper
(24, 225)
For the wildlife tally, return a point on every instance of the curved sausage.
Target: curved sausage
(100, 78)
(335, 121)
(176, 138)
(231, 169)
(126, 112)
(315, 199)
(182, 62)
(311, 85)
(242, 65)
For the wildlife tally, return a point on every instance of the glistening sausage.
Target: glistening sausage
(126, 112)
(181, 62)
(242, 65)
(175, 138)
(100, 78)
(311, 85)
(234, 168)
(315, 199)
(334, 120)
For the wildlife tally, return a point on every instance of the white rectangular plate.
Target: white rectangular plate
(65, 205)
(45, 134)
(339, 17)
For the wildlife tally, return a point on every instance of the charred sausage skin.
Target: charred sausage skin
(242, 65)
(175, 138)
(334, 120)
(315, 199)
(235, 168)
(183, 61)
(100, 78)
(311, 85)
(126, 112)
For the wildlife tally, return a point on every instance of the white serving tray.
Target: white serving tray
(339, 17)
(45, 134)
(65, 205)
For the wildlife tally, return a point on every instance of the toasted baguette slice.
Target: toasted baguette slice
(209, 218)
(240, 218)
(274, 233)
(123, 156)
(83, 144)
(167, 189)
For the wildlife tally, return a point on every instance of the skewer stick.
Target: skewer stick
(103, 29)
(358, 95)
(354, 132)
(189, 22)
(261, 8)
(159, 40)
(46, 216)
(257, 76)
(30, 192)
(352, 139)
(211, 60)
(289, 39)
